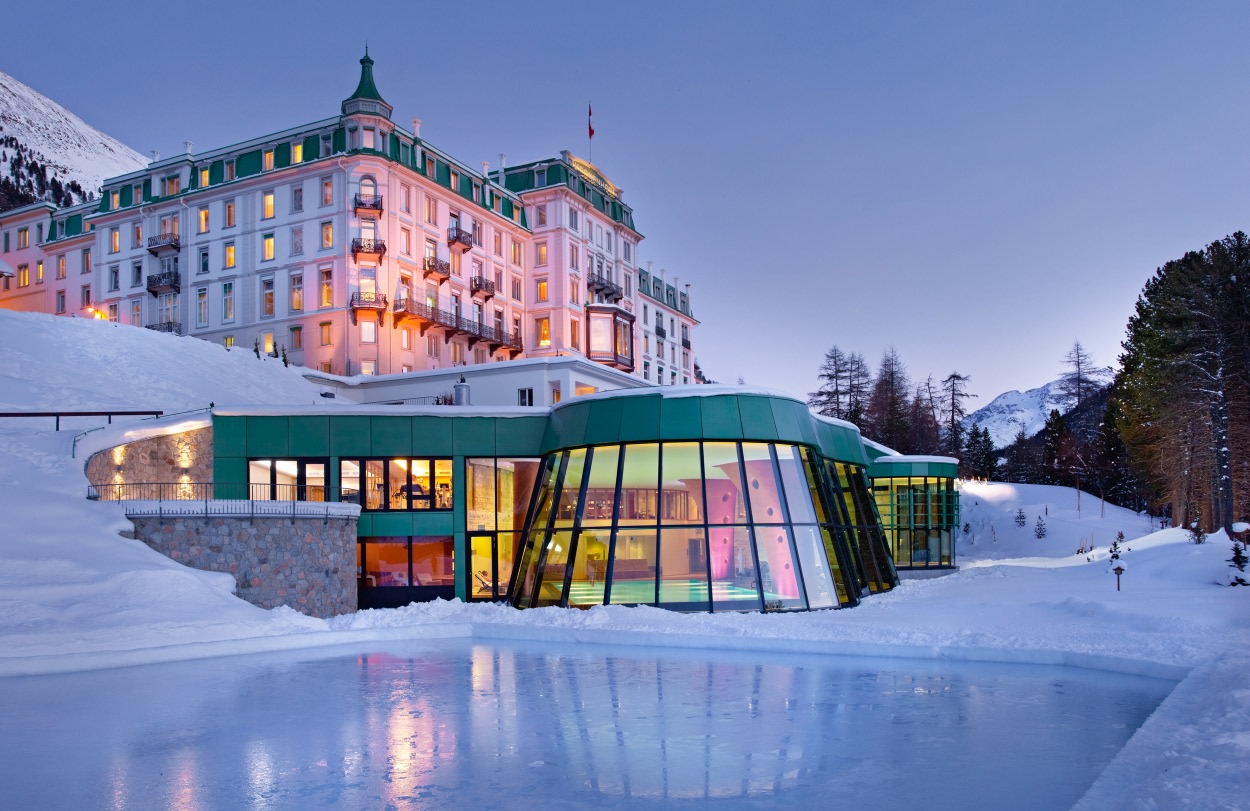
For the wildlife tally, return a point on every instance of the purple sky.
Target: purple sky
(977, 185)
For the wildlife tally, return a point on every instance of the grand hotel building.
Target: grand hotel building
(353, 246)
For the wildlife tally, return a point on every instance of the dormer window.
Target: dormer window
(455, 181)
(229, 170)
(267, 164)
(204, 177)
(115, 200)
(368, 141)
(540, 177)
(297, 153)
(170, 185)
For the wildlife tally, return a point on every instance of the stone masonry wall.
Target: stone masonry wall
(307, 563)
(161, 459)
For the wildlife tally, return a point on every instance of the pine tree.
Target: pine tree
(1238, 561)
(285, 362)
(1039, 530)
(1021, 518)
(954, 392)
(1196, 535)
(888, 415)
(256, 348)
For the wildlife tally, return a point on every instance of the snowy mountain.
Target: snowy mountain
(1007, 413)
(42, 141)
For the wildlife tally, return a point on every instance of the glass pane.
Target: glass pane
(601, 489)
(817, 582)
(571, 487)
(375, 471)
(777, 573)
(639, 481)
(734, 586)
(762, 484)
(683, 569)
(481, 567)
(682, 497)
(794, 482)
(811, 470)
(507, 546)
(724, 483)
(258, 471)
(442, 484)
(633, 566)
(420, 487)
(516, 484)
(590, 567)
(397, 470)
(386, 562)
(433, 561)
(529, 565)
(843, 580)
(349, 481)
(479, 481)
(546, 491)
(286, 474)
(553, 570)
(315, 482)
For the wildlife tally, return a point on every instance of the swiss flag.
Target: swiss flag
(589, 125)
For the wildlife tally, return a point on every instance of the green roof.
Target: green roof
(366, 89)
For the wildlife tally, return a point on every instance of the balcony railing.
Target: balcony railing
(428, 317)
(375, 247)
(623, 362)
(164, 281)
(440, 269)
(172, 327)
(610, 290)
(459, 238)
(368, 202)
(660, 332)
(482, 287)
(685, 343)
(162, 243)
(369, 301)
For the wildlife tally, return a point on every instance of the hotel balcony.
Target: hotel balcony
(685, 343)
(172, 327)
(428, 317)
(164, 282)
(482, 288)
(660, 332)
(369, 247)
(368, 301)
(164, 243)
(368, 203)
(460, 239)
(440, 269)
(610, 290)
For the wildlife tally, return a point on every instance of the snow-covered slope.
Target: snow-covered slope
(1007, 413)
(51, 134)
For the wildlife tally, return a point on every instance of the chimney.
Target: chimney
(486, 169)
(502, 165)
(416, 127)
(187, 146)
(155, 156)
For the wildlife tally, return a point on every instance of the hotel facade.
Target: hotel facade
(353, 246)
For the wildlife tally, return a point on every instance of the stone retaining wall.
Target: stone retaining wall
(305, 562)
(158, 459)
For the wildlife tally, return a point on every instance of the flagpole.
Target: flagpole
(590, 133)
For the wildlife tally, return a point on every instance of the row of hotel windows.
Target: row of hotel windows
(602, 238)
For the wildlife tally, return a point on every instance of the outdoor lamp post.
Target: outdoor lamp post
(1119, 570)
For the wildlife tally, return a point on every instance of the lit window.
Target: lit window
(267, 205)
(203, 219)
(297, 292)
(116, 200)
(266, 247)
(227, 341)
(115, 240)
(266, 342)
(542, 290)
(266, 297)
(574, 334)
(228, 213)
(327, 235)
(540, 254)
(516, 252)
(327, 191)
(326, 334)
(297, 153)
(228, 261)
(542, 332)
(268, 160)
(431, 211)
(327, 287)
(203, 177)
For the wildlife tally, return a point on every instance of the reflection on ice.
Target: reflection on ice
(462, 725)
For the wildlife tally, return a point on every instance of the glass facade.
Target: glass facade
(700, 526)
(920, 515)
(498, 492)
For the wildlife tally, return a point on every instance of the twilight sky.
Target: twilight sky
(976, 184)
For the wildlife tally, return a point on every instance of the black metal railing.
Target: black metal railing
(408, 307)
(660, 332)
(217, 498)
(610, 290)
(368, 301)
(165, 280)
(368, 245)
(685, 343)
(162, 241)
(369, 202)
(482, 285)
(59, 414)
(459, 237)
(172, 327)
(433, 266)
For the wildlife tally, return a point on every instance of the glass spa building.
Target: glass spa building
(704, 498)
(918, 502)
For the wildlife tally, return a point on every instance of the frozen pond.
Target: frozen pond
(473, 725)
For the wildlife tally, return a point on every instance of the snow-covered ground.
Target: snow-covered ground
(75, 595)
